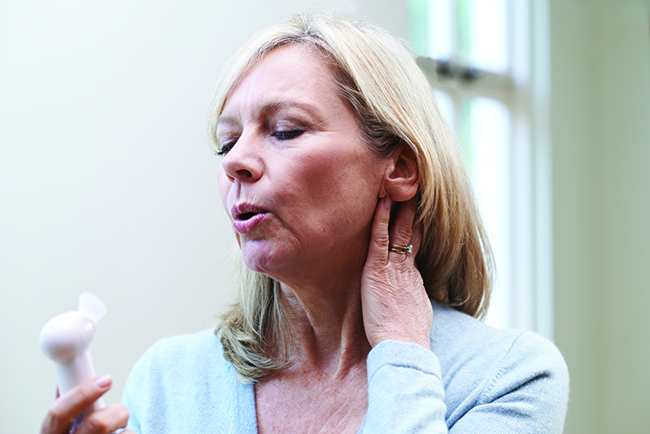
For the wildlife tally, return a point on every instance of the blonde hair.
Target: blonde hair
(377, 75)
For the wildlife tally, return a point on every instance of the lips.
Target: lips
(247, 217)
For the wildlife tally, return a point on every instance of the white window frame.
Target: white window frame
(523, 90)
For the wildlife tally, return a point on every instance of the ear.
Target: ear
(401, 179)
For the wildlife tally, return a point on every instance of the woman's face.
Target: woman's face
(297, 180)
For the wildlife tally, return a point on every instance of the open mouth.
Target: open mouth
(246, 211)
(246, 215)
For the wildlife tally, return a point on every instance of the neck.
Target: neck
(326, 324)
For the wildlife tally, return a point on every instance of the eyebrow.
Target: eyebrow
(273, 107)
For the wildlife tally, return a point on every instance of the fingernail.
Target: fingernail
(387, 202)
(103, 382)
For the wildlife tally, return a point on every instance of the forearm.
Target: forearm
(405, 391)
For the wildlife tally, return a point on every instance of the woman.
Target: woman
(366, 263)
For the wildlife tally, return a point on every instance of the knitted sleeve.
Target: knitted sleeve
(405, 391)
(526, 391)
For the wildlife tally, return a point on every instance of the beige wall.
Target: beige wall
(600, 131)
(106, 180)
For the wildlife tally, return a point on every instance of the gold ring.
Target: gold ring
(404, 250)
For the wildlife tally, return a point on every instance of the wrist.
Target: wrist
(422, 341)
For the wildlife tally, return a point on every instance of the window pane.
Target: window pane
(419, 26)
(440, 24)
(485, 136)
(482, 34)
(446, 105)
(431, 29)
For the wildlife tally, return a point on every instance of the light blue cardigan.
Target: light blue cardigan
(475, 379)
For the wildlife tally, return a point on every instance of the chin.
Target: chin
(260, 260)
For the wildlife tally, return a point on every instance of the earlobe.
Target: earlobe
(401, 179)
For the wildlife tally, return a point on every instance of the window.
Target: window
(476, 54)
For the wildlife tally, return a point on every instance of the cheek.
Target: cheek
(317, 183)
(347, 183)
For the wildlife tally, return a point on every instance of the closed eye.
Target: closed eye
(287, 135)
(225, 148)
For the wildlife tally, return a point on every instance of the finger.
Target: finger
(105, 421)
(378, 250)
(401, 232)
(70, 405)
(416, 239)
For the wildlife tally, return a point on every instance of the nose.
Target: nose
(243, 163)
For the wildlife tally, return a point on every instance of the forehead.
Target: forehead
(294, 73)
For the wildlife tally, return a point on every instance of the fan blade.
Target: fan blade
(91, 306)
